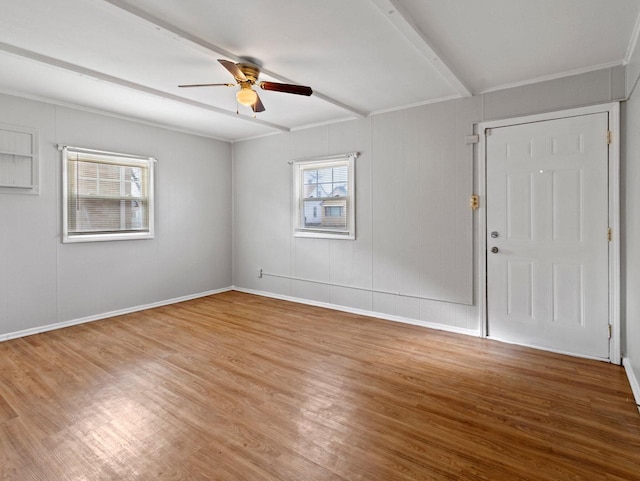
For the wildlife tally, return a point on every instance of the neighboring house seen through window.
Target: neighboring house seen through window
(333, 211)
(325, 200)
(107, 196)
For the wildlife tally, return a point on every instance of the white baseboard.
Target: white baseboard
(363, 312)
(634, 381)
(105, 315)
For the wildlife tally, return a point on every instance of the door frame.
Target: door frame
(613, 109)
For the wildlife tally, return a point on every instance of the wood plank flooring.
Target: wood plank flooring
(239, 387)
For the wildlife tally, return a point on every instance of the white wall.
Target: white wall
(43, 281)
(415, 230)
(425, 249)
(633, 69)
(631, 235)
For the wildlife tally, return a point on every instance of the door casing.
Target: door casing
(613, 109)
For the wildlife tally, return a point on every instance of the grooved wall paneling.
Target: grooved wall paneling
(43, 281)
(415, 231)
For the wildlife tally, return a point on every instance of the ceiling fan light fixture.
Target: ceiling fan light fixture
(246, 76)
(246, 96)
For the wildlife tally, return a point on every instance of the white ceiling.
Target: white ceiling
(359, 56)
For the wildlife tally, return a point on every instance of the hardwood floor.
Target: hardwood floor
(239, 387)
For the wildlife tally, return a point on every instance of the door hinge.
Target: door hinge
(609, 137)
(610, 331)
(609, 234)
(474, 202)
(471, 139)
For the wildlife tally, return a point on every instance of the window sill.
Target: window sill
(106, 237)
(324, 235)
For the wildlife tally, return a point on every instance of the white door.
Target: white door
(547, 234)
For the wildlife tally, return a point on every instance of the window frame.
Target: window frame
(299, 166)
(112, 158)
(34, 158)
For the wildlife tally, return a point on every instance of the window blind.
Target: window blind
(107, 194)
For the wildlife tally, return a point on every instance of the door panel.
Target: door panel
(519, 206)
(547, 203)
(568, 294)
(520, 289)
(568, 214)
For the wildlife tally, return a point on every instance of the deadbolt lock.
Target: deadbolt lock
(494, 235)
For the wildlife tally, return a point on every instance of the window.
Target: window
(107, 196)
(333, 211)
(325, 197)
(19, 164)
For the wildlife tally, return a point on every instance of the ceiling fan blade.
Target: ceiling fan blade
(257, 106)
(286, 88)
(233, 69)
(207, 85)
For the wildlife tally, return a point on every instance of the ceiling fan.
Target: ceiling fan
(246, 75)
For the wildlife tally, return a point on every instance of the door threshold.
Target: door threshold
(547, 349)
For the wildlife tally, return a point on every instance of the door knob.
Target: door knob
(494, 250)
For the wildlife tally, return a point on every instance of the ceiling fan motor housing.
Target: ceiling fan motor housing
(250, 71)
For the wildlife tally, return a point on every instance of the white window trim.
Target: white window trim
(70, 238)
(323, 162)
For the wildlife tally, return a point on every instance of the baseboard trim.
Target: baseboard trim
(363, 312)
(634, 381)
(106, 315)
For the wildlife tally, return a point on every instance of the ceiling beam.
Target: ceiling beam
(400, 19)
(210, 47)
(61, 64)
